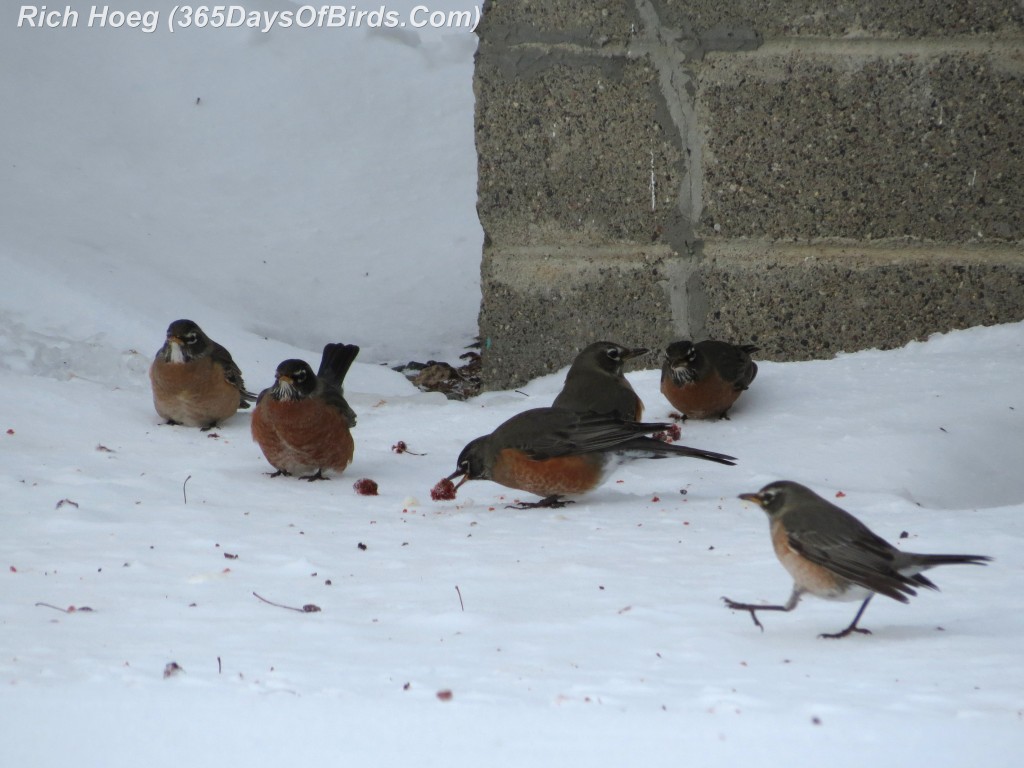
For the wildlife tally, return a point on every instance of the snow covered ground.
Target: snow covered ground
(593, 634)
(300, 182)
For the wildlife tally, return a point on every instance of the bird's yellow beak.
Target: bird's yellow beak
(754, 497)
(458, 473)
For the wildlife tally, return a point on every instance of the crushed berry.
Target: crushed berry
(365, 487)
(444, 490)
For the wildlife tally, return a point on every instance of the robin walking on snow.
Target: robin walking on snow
(555, 452)
(703, 380)
(595, 383)
(831, 554)
(195, 382)
(303, 422)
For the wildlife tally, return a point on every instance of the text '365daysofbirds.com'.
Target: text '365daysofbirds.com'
(181, 17)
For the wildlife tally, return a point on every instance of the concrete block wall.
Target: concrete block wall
(811, 177)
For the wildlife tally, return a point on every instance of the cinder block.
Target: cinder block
(574, 148)
(847, 18)
(854, 171)
(855, 145)
(804, 302)
(583, 22)
(542, 305)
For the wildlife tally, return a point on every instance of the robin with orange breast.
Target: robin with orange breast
(195, 382)
(303, 422)
(703, 380)
(831, 554)
(555, 452)
(595, 382)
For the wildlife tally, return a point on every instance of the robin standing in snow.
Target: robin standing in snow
(831, 554)
(703, 380)
(303, 422)
(195, 382)
(555, 452)
(596, 384)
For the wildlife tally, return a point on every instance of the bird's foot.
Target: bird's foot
(751, 609)
(549, 502)
(848, 631)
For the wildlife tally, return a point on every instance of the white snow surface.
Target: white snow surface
(589, 635)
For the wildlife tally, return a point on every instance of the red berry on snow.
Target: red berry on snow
(365, 487)
(443, 491)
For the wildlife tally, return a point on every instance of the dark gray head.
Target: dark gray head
(682, 361)
(606, 356)
(776, 497)
(293, 380)
(185, 341)
(472, 462)
(682, 353)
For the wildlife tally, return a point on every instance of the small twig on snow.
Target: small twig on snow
(69, 609)
(307, 608)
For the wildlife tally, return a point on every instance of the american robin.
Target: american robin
(302, 423)
(595, 383)
(831, 554)
(703, 380)
(195, 381)
(555, 452)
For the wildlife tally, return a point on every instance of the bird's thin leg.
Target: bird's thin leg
(551, 502)
(853, 624)
(318, 475)
(794, 598)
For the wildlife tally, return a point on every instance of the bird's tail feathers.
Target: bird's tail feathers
(335, 362)
(650, 448)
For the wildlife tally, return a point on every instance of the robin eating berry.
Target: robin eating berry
(555, 452)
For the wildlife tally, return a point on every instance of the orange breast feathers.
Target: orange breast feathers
(711, 396)
(811, 577)
(194, 393)
(302, 436)
(561, 476)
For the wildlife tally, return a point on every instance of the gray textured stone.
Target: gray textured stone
(542, 305)
(804, 302)
(570, 145)
(584, 22)
(847, 18)
(826, 178)
(813, 145)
